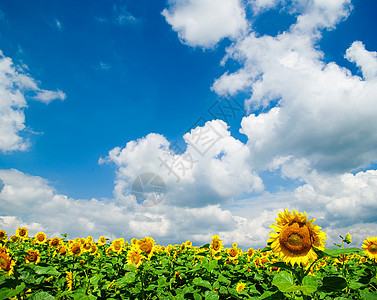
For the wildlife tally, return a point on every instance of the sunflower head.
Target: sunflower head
(32, 256)
(3, 235)
(146, 245)
(40, 238)
(240, 286)
(6, 263)
(75, 248)
(22, 232)
(370, 247)
(134, 256)
(216, 244)
(295, 237)
(117, 245)
(101, 241)
(55, 242)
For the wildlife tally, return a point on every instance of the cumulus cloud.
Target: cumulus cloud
(31, 201)
(205, 22)
(14, 83)
(365, 60)
(212, 170)
(311, 109)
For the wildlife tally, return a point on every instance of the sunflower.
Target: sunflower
(32, 256)
(370, 247)
(3, 250)
(62, 250)
(75, 248)
(101, 241)
(22, 232)
(6, 263)
(146, 245)
(94, 249)
(3, 235)
(240, 286)
(87, 245)
(40, 238)
(134, 256)
(117, 245)
(233, 253)
(54, 242)
(250, 253)
(216, 244)
(295, 237)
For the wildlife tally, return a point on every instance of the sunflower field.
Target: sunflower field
(294, 265)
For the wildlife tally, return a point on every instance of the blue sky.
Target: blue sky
(94, 95)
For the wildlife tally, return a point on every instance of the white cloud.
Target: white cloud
(31, 201)
(205, 22)
(192, 180)
(14, 83)
(365, 60)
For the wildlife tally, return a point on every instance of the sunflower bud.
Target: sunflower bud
(348, 238)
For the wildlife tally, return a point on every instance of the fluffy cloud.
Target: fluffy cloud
(310, 109)
(14, 83)
(205, 22)
(31, 201)
(212, 170)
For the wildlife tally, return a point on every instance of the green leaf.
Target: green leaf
(285, 283)
(126, 279)
(46, 270)
(216, 285)
(211, 295)
(338, 252)
(309, 285)
(368, 295)
(267, 248)
(355, 285)
(6, 293)
(223, 279)
(223, 290)
(197, 296)
(200, 282)
(333, 284)
(43, 296)
(281, 265)
(271, 295)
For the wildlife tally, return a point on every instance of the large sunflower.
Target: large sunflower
(146, 245)
(6, 263)
(370, 247)
(22, 232)
(134, 256)
(40, 238)
(32, 256)
(295, 237)
(216, 244)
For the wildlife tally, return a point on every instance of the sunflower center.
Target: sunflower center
(216, 245)
(296, 238)
(32, 257)
(76, 249)
(135, 258)
(146, 248)
(41, 238)
(373, 248)
(22, 232)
